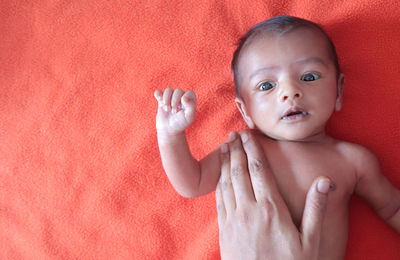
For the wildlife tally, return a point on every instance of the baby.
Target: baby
(288, 83)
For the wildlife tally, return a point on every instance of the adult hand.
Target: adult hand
(253, 219)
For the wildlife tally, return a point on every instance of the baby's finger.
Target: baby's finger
(158, 95)
(189, 104)
(176, 98)
(167, 97)
(190, 95)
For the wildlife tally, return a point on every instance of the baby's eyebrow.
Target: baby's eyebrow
(298, 62)
(263, 69)
(310, 60)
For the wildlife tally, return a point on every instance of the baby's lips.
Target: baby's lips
(295, 109)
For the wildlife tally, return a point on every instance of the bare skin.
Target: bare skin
(253, 219)
(288, 92)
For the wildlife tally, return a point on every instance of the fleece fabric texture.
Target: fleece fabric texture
(80, 172)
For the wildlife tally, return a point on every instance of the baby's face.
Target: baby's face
(288, 85)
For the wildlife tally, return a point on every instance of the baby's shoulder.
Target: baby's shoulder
(352, 149)
(358, 155)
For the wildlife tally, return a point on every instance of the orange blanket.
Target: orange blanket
(80, 173)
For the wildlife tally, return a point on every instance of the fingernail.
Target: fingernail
(244, 137)
(324, 186)
(231, 136)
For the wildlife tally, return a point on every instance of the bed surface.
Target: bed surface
(80, 173)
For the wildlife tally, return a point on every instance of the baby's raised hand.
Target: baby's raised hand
(176, 110)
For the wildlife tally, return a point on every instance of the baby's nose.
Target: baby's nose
(290, 91)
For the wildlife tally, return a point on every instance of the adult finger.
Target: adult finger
(225, 183)
(314, 212)
(239, 173)
(221, 211)
(262, 178)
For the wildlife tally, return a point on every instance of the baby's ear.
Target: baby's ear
(340, 86)
(232, 76)
(243, 110)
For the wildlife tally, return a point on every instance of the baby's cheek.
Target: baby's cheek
(264, 110)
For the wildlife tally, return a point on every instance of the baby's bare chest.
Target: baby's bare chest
(297, 165)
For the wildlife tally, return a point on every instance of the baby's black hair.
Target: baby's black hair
(279, 24)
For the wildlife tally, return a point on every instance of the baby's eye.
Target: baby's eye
(267, 85)
(310, 77)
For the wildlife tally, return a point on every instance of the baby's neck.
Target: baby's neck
(320, 137)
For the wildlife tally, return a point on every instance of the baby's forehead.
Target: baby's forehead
(272, 35)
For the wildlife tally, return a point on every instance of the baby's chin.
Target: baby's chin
(294, 137)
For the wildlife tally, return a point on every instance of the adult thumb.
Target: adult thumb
(314, 213)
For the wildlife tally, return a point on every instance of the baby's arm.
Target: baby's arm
(189, 177)
(377, 190)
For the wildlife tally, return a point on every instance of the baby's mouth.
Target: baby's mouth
(294, 113)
